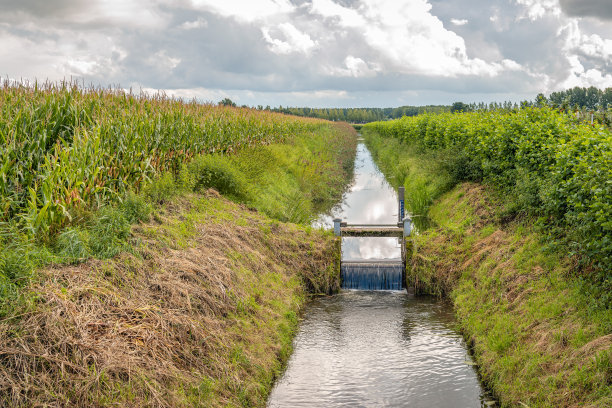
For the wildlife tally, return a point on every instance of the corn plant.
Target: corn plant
(65, 149)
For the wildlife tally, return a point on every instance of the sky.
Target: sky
(317, 53)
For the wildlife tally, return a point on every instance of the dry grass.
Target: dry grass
(188, 319)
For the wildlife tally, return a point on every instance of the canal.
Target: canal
(377, 348)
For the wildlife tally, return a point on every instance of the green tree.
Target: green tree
(227, 102)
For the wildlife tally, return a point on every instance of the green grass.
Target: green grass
(538, 338)
(539, 325)
(421, 173)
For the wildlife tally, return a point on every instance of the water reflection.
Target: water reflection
(371, 200)
(358, 248)
(374, 349)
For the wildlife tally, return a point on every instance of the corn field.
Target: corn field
(64, 149)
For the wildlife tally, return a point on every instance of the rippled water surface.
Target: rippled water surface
(376, 349)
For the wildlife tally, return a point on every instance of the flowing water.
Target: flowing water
(377, 348)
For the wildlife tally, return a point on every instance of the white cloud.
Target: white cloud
(346, 16)
(409, 39)
(354, 67)
(245, 10)
(162, 59)
(536, 9)
(459, 22)
(591, 45)
(295, 41)
(584, 78)
(321, 95)
(134, 13)
(578, 44)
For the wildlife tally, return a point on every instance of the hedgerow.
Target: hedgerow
(547, 165)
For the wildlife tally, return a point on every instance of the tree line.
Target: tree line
(576, 99)
(361, 115)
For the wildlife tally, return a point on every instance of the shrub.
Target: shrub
(544, 162)
(215, 171)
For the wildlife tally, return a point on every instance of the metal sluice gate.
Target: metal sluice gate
(376, 274)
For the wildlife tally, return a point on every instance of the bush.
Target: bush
(214, 171)
(544, 162)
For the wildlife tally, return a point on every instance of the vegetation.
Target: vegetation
(64, 150)
(125, 279)
(589, 98)
(199, 312)
(524, 255)
(78, 168)
(362, 115)
(547, 165)
(540, 339)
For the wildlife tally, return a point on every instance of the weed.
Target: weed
(136, 209)
(109, 233)
(73, 245)
(162, 189)
(216, 171)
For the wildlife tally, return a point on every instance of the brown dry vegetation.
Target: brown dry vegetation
(200, 313)
(536, 338)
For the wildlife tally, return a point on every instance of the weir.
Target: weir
(377, 274)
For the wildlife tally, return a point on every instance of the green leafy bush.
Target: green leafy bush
(218, 172)
(545, 162)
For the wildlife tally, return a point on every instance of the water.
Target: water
(371, 200)
(372, 275)
(376, 348)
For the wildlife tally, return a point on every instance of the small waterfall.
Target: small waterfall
(372, 275)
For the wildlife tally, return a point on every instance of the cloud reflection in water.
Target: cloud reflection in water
(371, 200)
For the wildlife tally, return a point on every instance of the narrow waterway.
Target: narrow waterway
(377, 348)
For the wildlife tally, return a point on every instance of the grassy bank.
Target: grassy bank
(538, 336)
(200, 311)
(530, 297)
(147, 287)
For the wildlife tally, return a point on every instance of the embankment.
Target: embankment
(498, 204)
(538, 338)
(200, 312)
(125, 278)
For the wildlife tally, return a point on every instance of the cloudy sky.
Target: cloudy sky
(318, 53)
